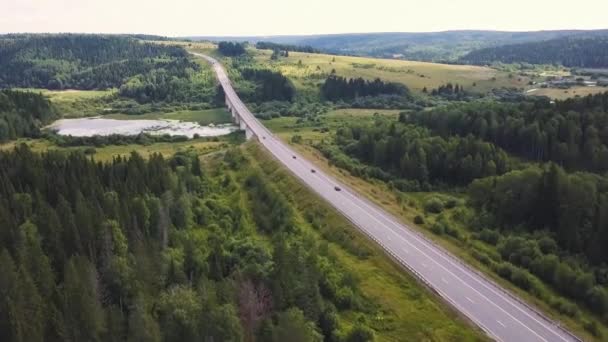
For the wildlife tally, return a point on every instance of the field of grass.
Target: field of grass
(106, 153)
(203, 117)
(407, 310)
(406, 206)
(76, 103)
(561, 94)
(287, 127)
(416, 75)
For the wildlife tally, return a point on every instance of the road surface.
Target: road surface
(501, 315)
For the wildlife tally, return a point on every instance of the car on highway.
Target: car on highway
(337, 188)
(313, 170)
(294, 157)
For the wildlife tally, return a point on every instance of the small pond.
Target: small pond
(86, 127)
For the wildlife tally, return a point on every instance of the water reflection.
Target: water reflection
(86, 127)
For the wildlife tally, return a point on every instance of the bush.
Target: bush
(90, 151)
(419, 219)
(565, 308)
(451, 203)
(521, 278)
(504, 270)
(438, 228)
(489, 236)
(593, 328)
(433, 205)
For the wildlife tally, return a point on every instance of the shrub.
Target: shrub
(504, 270)
(438, 228)
(593, 328)
(521, 278)
(565, 308)
(451, 203)
(489, 236)
(90, 151)
(419, 219)
(433, 205)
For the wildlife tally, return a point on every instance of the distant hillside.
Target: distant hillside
(427, 46)
(81, 61)
(567, 51)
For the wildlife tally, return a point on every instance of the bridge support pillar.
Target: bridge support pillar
(248, 133)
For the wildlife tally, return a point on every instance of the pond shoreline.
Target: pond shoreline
(91, 126)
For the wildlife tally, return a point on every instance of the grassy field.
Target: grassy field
(416, 75)
(405, 205)
(203, 117)
(108, 152)
(407, 311)
(287, 127)
(76, 103)
(560, 94)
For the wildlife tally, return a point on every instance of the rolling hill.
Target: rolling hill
(424, 46)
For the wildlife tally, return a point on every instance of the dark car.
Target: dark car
(294, 157)
(337, 188)
(313, 170)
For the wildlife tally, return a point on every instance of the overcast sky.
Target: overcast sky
(280, 17)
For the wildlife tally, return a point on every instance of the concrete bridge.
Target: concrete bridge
(236, 118)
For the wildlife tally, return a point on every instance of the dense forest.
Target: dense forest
(412, 153)
(545, 224)
(160, 250)
(339, 88)
(572, 133)
(591, 52)
(231, 48)
(571, 209)
(285, 47)
(269, 85)
(144, 71)
(22, 114)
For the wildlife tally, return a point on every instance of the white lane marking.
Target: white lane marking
(501, 323)
(432, 249)
(405, 250)
(462, 281)
(470, 300)
(353, 203)
(443, 280)
(455, 264)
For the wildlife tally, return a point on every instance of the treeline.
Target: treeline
(568, 51)
(285, 47)
(22, 114)
(412, 153)
(449, 91)
(269, 85)
(231, 48)
(159, 250)
(77, 61)
(572, 133)
(339, 88)
(571, 208)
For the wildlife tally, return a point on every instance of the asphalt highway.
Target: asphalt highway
(500, 314)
